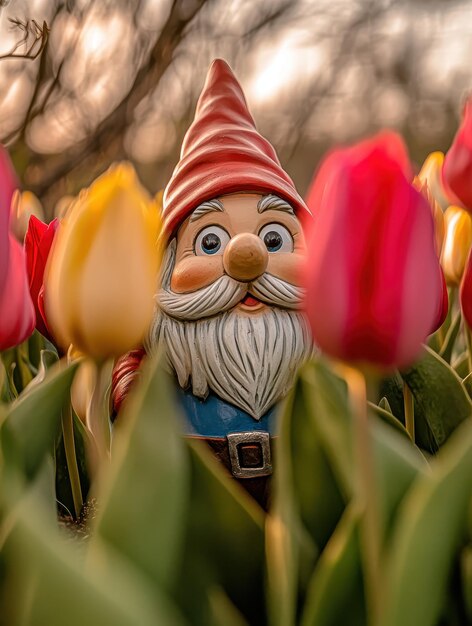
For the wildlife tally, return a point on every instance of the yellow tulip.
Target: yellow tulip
(101, 275)
(457, 243)
(438, 215)
(431, 173)
(23, 205)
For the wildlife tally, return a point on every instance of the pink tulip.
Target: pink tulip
(457, 167)
(374, 285)
(17, 316)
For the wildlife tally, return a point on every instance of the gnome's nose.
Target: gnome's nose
(245, 257)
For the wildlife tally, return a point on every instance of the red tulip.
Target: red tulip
(374, 284)
(466, 292)
(16, 309)
(457, 167)
(38, 242)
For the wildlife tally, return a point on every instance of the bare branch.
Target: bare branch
(40, 35)
(111, 130)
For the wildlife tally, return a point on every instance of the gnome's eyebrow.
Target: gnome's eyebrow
(274, 203)
(206, 207)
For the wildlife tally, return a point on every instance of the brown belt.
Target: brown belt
(248, 458)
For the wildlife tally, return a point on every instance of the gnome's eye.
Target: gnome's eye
(211, 240)
(277, 238)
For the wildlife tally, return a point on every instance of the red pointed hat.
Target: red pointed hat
(223, 153)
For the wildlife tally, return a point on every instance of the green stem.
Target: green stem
(469, 345)
(441, 336)
(409, 405)
(447, 346)
(367, 491)
(98, 418)
(445, 329)
(22, 361)
(71, 459)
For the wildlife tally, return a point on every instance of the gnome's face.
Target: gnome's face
(228, 307)
(241, 237)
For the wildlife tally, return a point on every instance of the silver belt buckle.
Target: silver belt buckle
(236, 444)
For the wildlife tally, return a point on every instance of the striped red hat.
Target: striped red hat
(223, 153)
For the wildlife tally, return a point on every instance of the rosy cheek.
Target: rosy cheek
(196, 272)
(288, 267)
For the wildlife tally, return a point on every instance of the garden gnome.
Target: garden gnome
(228, 308)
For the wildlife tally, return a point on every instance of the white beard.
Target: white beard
(249, 360)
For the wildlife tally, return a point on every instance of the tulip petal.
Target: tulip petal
(120, 262)
(466, 292)
(16, 309)
(457, 168)
(38, 241)
(8, 184)
(457, 243)
(423, 292)
(431, 175)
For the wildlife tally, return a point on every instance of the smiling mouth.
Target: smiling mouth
(251, 302)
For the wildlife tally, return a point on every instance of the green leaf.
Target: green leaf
(224, 544)
(467, 382)
(32, 423)
(387, 416)
(336, 589)
(224, 611)
(431, 526)
(461, 364)
(23, 365)
(328, 410)
(304, 512)
(397, 463)
(284, 531)
(148, 484)
(318, 496)
(391, 389)
(385, 405)
(49, 582)
(441, 402)
(4, 387)
(47, 359)
(11, 380)
(466, 577)
(434, 342)
(36, 344)
(395, 456)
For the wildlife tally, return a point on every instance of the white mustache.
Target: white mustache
(273, 290)
(220, 296)
(225, 293)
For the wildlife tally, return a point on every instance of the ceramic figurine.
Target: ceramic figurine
(227, 310)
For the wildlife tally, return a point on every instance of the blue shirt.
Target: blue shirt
(214, 417)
